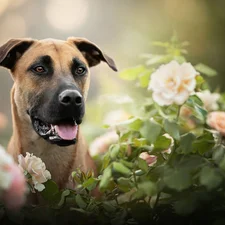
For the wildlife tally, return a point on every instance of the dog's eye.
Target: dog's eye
(80, 70)
(39, 69)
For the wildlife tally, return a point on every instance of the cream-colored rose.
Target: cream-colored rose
(33, 166)
(173, 83)
(216, 120)
(209, 99)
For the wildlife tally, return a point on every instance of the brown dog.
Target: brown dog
(51, 82)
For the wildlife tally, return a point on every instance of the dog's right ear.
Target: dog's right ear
(12, 50)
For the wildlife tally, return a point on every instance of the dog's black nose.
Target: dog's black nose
(70, 98)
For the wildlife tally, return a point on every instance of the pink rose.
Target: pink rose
(12, 182)
(216, 120)
(14, 196)
(150, 159)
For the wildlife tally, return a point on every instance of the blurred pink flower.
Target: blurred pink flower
(3, 121)
(150, 159)
(14, 196)
(216, 120)
(12, 182)
(101, 144)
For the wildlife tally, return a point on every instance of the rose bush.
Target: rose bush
(164, 163)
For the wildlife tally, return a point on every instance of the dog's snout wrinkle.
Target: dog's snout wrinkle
(70, 98)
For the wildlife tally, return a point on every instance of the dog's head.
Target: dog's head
(51, 80)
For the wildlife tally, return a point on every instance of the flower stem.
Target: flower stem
(156, 203)
(178, 113)
(135, 179)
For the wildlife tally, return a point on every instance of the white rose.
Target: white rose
(34, 166)
(209, 99)
(173, 83)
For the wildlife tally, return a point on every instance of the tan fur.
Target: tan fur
(60, 161)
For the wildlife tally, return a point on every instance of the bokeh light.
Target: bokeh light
(15, 26)
(67, 15)
(3, 6)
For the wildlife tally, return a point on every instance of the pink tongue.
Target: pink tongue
(66, 132)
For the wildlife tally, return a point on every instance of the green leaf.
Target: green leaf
(51, 189)
(161, 143)
(143, 165)
(186, 205)
(108, 207)
(132, 73)
(119, 167)
(130, 165)
(186, 141)
(124, 184)
(90, 184)
(158, 59)
(149, 188)
(208, 71)
(139, 142)
(144, 78)
(63, 197)
(210, 178)
(179, 58)
(195, 100)
(161, 44)
(218, 154)
(114, 150)
(203, 143)
(124, 181)
(125, 136)
(150, 130)
(178, 179)
(80, 202)
(200, 80)
(80, 210)
(172, 129)
(105, 179)
(133, 124)
(222, 163)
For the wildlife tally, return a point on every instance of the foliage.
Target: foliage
(185, 186)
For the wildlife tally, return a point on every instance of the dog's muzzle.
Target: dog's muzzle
(61, 127)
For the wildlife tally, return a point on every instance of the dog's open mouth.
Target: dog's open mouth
(62, 134)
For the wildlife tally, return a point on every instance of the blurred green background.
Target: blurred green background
(123, 29)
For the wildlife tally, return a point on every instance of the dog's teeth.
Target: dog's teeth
(52, 129)
(49, 132)
(75, 123)
(53, 137)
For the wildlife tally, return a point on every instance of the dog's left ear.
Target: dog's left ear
(92, 52)
(12, 50)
